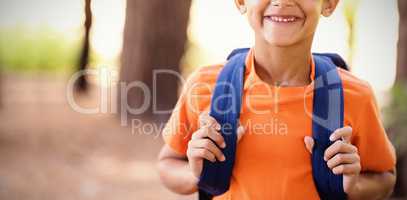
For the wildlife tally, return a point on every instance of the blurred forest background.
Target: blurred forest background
(50, 151)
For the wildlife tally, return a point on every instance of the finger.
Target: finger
(339, 147)
(344, 133)
(206, 120)
(203, 119)
(209, 132)
(209, 145)
(347, 169)
(240, 132)
(201, 153)
(340, 159)
(309, 143)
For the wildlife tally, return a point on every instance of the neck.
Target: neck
(283, 66)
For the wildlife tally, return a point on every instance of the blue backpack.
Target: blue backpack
(327, 117)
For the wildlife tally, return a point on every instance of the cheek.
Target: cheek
(312, 11)
(255, 12)
(253, 21)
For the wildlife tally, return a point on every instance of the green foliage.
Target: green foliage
(41, 49)
(349, 11)
(396, 117)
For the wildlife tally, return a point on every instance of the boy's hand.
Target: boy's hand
(342, 157)
(205, 142)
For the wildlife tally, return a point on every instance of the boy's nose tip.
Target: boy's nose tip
(282, 3)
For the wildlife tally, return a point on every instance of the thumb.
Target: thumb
(309, 143)
(240, 132)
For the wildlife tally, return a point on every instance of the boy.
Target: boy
(274, 163)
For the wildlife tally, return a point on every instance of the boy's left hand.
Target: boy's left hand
(342, 157)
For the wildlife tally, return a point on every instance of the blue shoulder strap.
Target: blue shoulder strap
(225, 108)
(334, 58)
(327, 117)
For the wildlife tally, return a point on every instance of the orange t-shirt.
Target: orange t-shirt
(271, 159)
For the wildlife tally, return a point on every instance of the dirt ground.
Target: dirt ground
(49, 151)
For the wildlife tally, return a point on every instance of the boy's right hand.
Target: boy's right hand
(205, 143)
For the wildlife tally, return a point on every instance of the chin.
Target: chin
(280, 41)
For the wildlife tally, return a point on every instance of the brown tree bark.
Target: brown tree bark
(400, 190)
(402, 45)
(82, 83)
(155, 36)
(1, 88)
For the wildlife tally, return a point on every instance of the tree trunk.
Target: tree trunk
(154, 39)
(401, 82)
(82, 84)
(402, 45)
(1, 88)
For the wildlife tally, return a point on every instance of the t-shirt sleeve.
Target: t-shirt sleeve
(183, 121)
(375, 149)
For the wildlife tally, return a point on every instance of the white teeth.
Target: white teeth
(282, 19)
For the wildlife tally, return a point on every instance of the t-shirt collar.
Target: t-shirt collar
(251, 76)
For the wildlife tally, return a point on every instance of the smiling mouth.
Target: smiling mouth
(282, 19)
